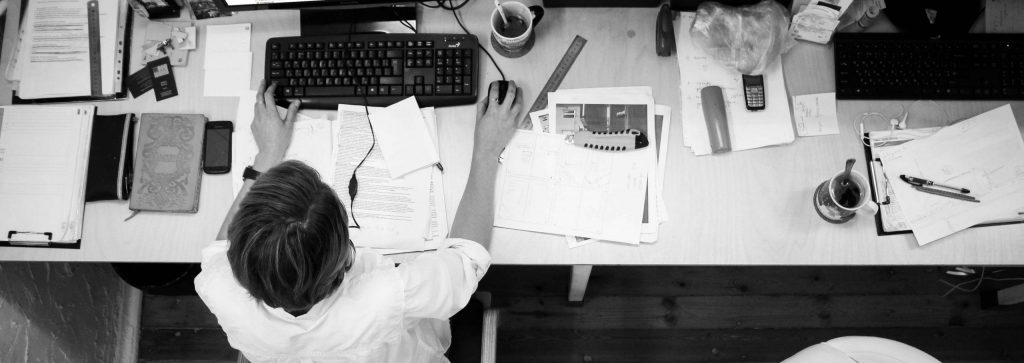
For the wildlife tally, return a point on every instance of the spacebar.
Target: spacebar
(331, 91)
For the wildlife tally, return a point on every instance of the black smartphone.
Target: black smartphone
(217, 147)
(753, 90)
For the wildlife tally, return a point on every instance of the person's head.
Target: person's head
(289, 239)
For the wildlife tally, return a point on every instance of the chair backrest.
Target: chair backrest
(855, 349)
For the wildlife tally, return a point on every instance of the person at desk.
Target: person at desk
(287, 284)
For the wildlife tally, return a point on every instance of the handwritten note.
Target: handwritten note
(815, 114)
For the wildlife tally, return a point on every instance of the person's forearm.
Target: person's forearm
(474, 219)
(262, 164)
(223, 234)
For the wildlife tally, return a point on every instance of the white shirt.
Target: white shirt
(380, 313)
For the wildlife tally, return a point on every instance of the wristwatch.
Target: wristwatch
(250, 173)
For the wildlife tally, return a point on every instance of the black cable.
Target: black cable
(402, 20)
(458, 20)
(451, 4)
(353, 185)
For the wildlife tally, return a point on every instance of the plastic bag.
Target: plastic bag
(747, 38)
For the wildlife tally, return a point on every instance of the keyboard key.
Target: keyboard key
(396, 90)
(443, 89)
(428, 90)
(297, 92)
(392, 80)
(331, 91)
(287, 91)
(276, 65)
(371, 91)
(419, 89)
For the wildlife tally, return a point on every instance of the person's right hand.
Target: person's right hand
(271, 132)
(496, 123)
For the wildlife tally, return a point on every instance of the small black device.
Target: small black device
(217, 147)
(664, 34)
(753, 91)
(898, 66)
(502, 90)
(376, 69)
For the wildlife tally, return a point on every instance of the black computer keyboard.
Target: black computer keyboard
(375, 69)
(901, 66)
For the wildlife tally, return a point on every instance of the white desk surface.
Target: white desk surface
(742, 208)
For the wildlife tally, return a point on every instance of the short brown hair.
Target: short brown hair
(289, 239)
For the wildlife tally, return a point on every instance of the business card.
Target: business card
(140, 82)
(163, 79)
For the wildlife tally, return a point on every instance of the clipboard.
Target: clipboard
(122, 46)
(886, 219)
(44, 192)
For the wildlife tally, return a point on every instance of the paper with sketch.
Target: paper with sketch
(815, 114)
(613, 109)
(984, 154)
(403, 138)
(547, 185)
(392, 213)
(311, 142)
(747, 129)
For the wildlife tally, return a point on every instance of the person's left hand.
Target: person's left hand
(272, 133)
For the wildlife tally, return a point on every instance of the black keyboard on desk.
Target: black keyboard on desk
(902, 66)
(376, 69)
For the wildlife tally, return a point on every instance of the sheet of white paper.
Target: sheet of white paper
(747, 129)
(311, 142)
(228, 38)
(44, 153)
(226, 74)
(392, 212)
(227, 62)
(984, 154)
(547, 185)
(815, 114)
(403, 137)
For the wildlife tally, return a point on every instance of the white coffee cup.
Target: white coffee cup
(515, 38)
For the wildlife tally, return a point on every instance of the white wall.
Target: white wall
(60, 312)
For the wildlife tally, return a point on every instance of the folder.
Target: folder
(63, 54)
(44, 153)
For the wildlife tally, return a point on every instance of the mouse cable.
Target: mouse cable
(458, 20)
(353, 184)
(402, 21)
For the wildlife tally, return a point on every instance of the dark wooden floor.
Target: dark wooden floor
(673, 314)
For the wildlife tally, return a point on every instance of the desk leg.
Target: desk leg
(578, 283)
(1003, 297)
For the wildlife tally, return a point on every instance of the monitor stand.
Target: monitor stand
(380, 19)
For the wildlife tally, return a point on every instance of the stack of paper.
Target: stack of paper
(403, 213)
(747, 129)
(44, 153)
(227, 67)
(984, 154)
(547, 185)
(52, 59)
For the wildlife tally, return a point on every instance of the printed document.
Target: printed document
(392, 213)
(984, 154)
(747, 129)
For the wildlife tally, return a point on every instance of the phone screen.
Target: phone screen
(217, 152)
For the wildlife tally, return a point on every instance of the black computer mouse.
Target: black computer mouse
(502, 90)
